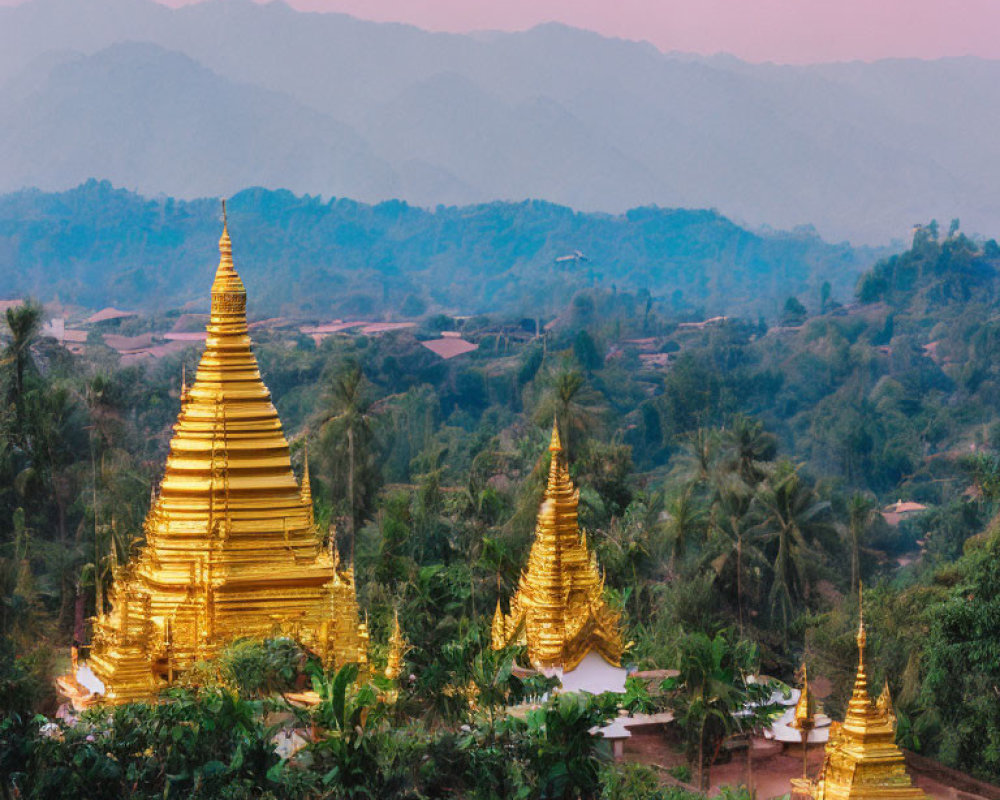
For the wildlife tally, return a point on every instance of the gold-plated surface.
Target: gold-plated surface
(559, 609)
(231, 545)
(862, 761)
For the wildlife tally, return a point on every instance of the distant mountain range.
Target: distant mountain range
(307, 258)
(211, 98)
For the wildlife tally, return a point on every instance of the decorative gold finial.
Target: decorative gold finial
(555, 444)
(229, 296)
(805, 708)
(397, 649)
(225, 243)
(862, 637)
(498, 629)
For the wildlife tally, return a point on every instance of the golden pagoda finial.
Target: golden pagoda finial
(862, 637)
(498, 629)
(555, 443)
(397, 649)
(805, 708)
(804, 719)
(229, 296)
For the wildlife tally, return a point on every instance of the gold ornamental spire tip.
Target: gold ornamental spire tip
(555, 444)
(862, 637)
(225, 243)
(229, 296)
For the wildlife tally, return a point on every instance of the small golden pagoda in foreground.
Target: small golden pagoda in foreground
(231, 548)
(559, 609)
(397, 650)
(862, 761)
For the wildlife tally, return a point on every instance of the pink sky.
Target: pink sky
(787, 31)
(792, 31)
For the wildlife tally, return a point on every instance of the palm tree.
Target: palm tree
(733, 527)
(695, 464)
(350, 417)
(862, 512)
(749, 449)
(685, 523)
(715, 695)
(24, 323)
(577, 408)
(794, 520)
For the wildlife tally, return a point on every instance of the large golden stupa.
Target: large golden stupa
(559, 610)
(231, 547)
(862, 761)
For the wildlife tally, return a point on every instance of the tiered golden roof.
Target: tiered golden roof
(231, 546)
(559, 609)
(862, 761)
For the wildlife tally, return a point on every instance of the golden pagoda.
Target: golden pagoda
(231, 547)
(862, 761)
(559, 609)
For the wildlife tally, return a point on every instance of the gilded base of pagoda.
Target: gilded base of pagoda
(146, 645)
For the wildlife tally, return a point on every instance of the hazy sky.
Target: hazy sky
(786, 31)
(791, 31)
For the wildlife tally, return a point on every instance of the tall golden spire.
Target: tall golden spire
(862, 761)
(231, 547)
(805, 708)
(559, 609)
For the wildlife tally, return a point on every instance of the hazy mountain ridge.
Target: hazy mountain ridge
(301, 256)
(860, 150)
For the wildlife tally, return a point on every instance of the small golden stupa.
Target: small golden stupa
(804, 717)
(862, 761)
(231, 547)
(397, 650)
(559, 609)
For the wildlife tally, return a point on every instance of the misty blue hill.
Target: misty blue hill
(324, 103)
(306, 257)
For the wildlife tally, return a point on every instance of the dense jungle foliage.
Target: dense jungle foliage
(732, 494)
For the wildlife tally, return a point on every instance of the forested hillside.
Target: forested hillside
(735, 476)
(96, 246)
